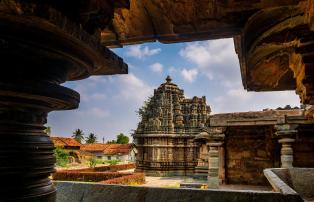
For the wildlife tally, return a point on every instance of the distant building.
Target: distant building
(70, 145)
(122, 152)
(165, 135)
(66, 143)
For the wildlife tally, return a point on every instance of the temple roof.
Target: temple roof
(168, 111)
(108, 149)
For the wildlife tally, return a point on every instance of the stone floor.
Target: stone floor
(174, 182)
(167, 181)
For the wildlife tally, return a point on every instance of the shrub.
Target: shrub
(92, 162)
(113, 162)
(86, 176)
(62, 157)
(114, 168)
(111, 168)
(133, 179)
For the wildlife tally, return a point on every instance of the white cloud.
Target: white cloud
(156, 67)
(189, 74)
(239, 93)
(140, 52)
(239, 100)
(172, 70)
(133, 89)
(98, 96)
(94, 112)
(208, 52)
(216, 59)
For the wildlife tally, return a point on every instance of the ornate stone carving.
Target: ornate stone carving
(166, 131)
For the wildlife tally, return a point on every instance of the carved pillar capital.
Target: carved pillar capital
(286, 130)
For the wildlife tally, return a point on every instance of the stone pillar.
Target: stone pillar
(40, 48)
(26, 152)
(215, 156)
(286, 133)
(221, 172)
(213, 164)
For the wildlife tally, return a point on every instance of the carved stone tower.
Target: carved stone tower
(165, 134)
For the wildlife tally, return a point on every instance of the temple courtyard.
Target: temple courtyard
(181, 151)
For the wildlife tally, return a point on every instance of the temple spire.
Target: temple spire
(168, 79)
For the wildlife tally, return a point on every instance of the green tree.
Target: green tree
(48, 130)
(62, 157)
(141, 111)
(91, 138)
(78, 135)
(111, 142)
(122, 139)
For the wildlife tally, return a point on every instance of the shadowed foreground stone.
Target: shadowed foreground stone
(87, 192)
(292, 181)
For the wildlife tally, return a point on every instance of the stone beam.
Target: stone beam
(267, 117)
(276, 50)
(178, 21)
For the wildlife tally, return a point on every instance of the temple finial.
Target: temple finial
(168, 79)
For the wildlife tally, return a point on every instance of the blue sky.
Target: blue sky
(210, 68)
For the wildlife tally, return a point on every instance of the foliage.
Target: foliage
(122, 139)
(91, 138)
(78, 135)
(112, 142)
(48, 130)
(92, 162)
(112, 162)
(62, 157)
(141, 111)
(133, 179)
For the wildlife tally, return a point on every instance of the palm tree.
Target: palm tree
(78, 135)
(91, 138)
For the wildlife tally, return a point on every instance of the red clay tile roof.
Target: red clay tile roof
(118, 148)
(107, 148)
(65, 141)
(97, 147)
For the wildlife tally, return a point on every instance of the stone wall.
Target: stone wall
(166, 156)
(249, 150)
(303, 150)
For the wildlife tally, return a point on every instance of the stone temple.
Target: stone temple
(178, 136)
(165, 136)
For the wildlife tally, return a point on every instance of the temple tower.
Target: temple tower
(168, 126)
